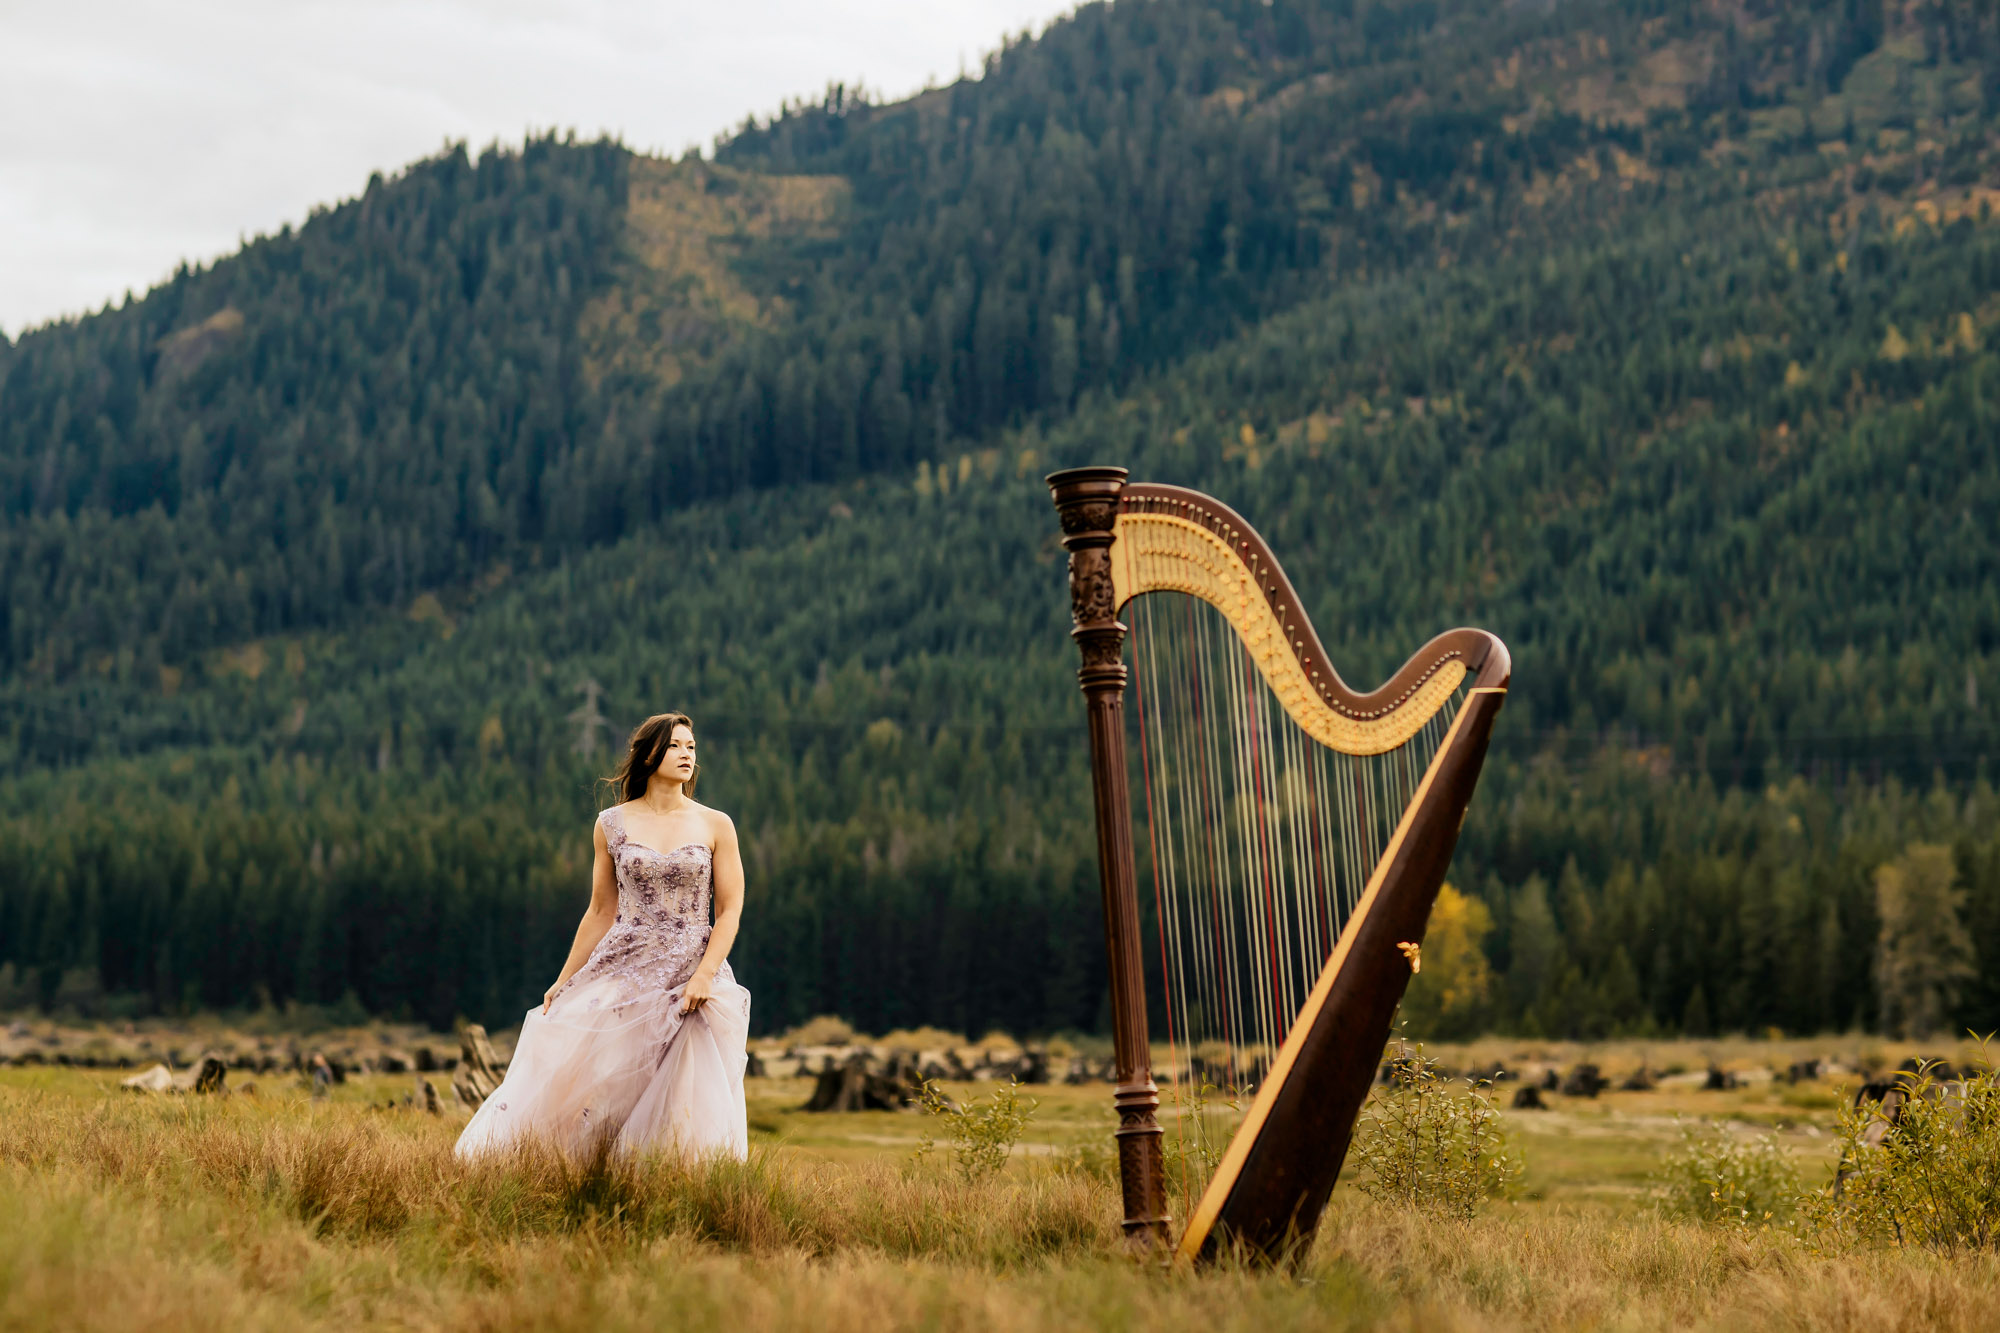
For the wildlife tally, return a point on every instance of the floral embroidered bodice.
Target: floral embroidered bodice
(662, 926)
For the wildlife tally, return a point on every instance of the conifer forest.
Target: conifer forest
(1660, 337)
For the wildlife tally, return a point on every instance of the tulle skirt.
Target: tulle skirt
(603, 1065)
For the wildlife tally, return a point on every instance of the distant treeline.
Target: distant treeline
(1621, 903)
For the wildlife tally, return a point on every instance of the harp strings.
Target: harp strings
(1260, 842)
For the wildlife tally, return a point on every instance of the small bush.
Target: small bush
(1198, 1138)
(1929, 1176)
(1431, 1144)
(983, 1134)
(1719, 1178)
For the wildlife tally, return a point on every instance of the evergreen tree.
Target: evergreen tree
(1923, 955)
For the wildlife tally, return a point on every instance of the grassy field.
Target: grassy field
(121, 1211)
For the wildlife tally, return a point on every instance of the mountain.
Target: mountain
(1653, 336)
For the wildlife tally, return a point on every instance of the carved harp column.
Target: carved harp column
(1087, 502)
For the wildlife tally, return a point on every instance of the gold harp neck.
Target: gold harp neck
(1168, 539)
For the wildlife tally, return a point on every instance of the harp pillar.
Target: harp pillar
(1087, 502)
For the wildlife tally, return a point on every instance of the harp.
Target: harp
(1295, 836)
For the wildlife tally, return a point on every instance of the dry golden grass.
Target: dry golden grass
(119, 1211)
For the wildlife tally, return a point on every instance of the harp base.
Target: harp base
(1139, 1138)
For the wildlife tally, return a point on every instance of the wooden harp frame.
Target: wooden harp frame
(1274, 1179)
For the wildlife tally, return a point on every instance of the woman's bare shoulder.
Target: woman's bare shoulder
(718, 822)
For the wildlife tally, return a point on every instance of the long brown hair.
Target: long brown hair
(642, 758)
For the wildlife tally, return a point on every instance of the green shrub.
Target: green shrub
(1432, 1144)
(1197, 1138)
(1719, 1178)
(982, 1134)
(1929, 1177)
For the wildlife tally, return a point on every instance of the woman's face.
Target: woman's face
(677, 764)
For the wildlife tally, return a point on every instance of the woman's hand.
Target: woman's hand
(549, 995)
(700, 990)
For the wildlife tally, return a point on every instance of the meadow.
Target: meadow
(120, 1210)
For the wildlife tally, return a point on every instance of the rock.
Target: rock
(753, 1065)
(1802, 1071)
(1528, 1097)
(425, 1060)
(1641, 1080)
(1719, 1080)
(244, 1090)
(157, 1079)
(477, 1075)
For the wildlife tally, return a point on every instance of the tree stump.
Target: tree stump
(1583, 1081)
(854, 1086)
(209, 1075)
(204, 1076)
(478, 1067)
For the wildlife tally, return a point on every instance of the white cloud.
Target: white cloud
(135, 134)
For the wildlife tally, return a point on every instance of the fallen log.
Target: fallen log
(157, 1079)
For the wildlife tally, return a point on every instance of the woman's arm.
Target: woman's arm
(597, 917)
(728, 916)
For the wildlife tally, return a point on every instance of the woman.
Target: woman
(641, 1039)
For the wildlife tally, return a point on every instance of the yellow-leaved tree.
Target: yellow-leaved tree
(1449, 996)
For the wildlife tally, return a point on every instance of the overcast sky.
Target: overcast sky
(137, 133)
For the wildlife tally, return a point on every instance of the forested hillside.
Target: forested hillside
(1657, 337)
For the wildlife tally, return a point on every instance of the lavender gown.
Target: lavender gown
(613, 1055)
